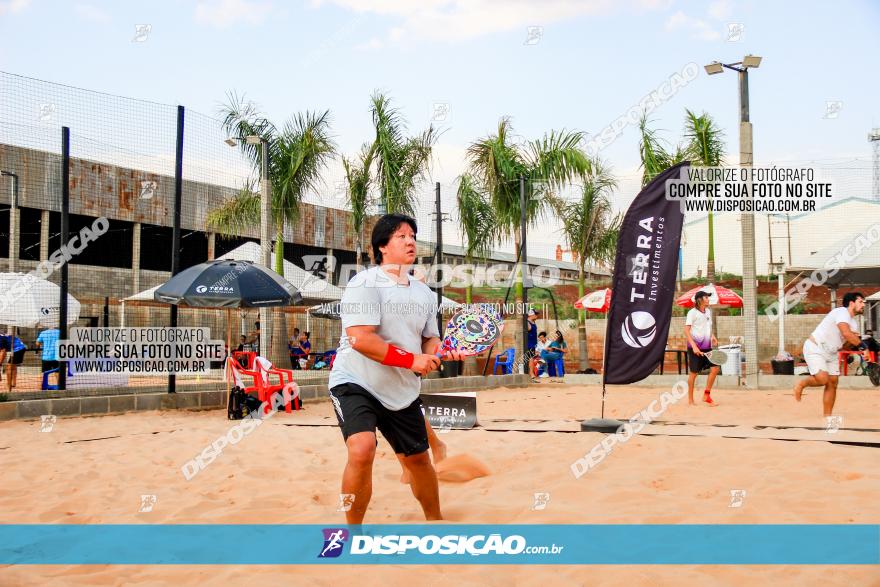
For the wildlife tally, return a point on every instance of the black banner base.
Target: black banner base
(605, 425)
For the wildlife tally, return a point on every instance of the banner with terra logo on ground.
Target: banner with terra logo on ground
(643, 284)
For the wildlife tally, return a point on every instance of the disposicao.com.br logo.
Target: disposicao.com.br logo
(451, 544)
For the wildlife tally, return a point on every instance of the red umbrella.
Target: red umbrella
(718, 296)
(597, 301)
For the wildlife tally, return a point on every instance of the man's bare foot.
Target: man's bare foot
(438, 451)
(709, 401)
(798, 390)
(691, 402)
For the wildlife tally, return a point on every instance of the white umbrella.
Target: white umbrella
(30, 302)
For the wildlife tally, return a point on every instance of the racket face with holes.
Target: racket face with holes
(473, 331)
(717, 357)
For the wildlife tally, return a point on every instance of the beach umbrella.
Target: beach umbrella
(227, 284)
(30, 302)
(718, 296)
(597, 301)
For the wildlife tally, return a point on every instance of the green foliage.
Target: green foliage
(298, 154)
(401, 161)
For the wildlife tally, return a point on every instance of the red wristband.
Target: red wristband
(397, 357)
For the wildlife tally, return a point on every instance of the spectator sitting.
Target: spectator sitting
(299, 353)
(542, 345)
(555, 350)
(293, 344)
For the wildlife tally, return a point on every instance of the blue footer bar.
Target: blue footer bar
(251, 544)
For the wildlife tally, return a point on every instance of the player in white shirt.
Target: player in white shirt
(390, 335)
(698, 332)
(837, 328)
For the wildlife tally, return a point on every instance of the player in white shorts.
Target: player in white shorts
(837, 328)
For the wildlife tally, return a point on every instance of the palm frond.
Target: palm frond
(236, 215)
(477, 222)
(705, 140)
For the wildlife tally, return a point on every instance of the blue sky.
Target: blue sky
(593, 60)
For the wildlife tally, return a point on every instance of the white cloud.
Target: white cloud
(721, 9)
(92, 13)
(13, 6)
(224, 13)
(694, 27)
(455, 20)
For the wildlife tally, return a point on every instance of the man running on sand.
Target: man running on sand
(837, 328)
(698, 331)
(390, 334)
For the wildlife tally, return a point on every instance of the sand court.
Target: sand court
(682, 469)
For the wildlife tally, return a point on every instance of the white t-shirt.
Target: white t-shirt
(701, 327)
(827, 335)
(403, 314)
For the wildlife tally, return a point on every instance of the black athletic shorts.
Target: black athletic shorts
(17, 358)
(698, 363)
(48, 365)
(357, 410)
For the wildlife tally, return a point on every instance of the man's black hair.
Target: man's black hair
(385, 227)
(542, 333)
(851, 297)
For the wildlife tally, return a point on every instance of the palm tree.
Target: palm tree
(590, 228)
(655, 157)
(478, 224)
(705, 147)
(496, 163)
(297, 156)
(392, 164)
(401, 161)
(357, 176)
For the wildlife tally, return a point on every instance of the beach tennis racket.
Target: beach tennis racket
(471, 331)
(716, 357)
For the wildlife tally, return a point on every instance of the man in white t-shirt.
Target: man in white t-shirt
(838, 328)
(698, 331)
(390, 335)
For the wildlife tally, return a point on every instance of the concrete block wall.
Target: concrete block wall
(212, 399)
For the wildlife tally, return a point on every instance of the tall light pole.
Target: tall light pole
(265, 230)
(746, 159)
(779, 269)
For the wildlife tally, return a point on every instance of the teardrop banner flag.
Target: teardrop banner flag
(643, 285)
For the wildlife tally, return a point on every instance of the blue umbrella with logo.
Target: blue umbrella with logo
(228, 284)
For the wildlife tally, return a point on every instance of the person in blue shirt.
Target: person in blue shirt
(46, 342)
(532, 342)
(300, 351)
(12, 345)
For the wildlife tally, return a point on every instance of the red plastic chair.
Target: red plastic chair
(262, 383)
(248, 356)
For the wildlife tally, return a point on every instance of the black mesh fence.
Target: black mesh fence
(123, 179)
